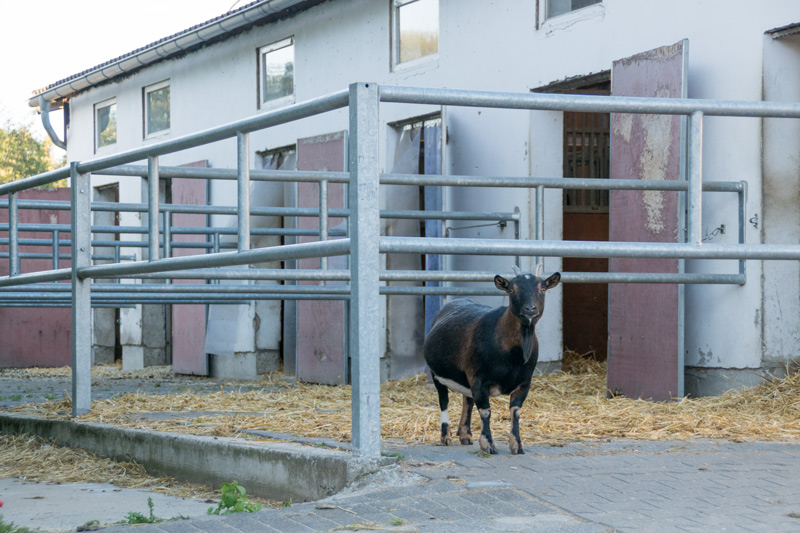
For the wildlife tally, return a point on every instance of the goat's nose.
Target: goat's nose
(529, 309)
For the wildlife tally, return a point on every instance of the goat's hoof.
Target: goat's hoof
(465, 440)
(446, 440)
(487, 446)
(514, 445)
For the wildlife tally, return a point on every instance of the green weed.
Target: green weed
(234, 500)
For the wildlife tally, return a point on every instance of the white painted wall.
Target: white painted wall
(493, 45)
(781, 218)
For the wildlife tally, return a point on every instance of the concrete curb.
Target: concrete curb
(273, 470)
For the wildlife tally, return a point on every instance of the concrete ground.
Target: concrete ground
(603, 486)
(616, 485)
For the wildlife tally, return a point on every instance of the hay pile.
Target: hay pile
(566, 407)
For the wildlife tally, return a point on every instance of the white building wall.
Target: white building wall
(492, 46)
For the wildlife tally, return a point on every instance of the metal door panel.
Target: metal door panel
(645, 347)
(36, 336)
(321, 355)
(189, 321)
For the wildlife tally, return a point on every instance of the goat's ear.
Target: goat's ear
(502, 283)
(552, 281)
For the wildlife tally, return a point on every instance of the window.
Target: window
(105, 123)
(276, 73)
(555, 8)
(416, 29)
(156, 109)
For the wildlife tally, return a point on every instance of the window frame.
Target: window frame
(97, 107)
(261, 74)
(146, 109)
(396, 64)
(587, 12)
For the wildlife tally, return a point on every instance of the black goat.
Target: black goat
(481, 352)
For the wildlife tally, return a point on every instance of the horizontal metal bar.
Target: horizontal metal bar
(557, 183)
(257, 255)
(283, 115)
(588, 103)
(61, 274)
(127, 300)
(251, 274)
(587, 248)
(38, 180)
(230, 174)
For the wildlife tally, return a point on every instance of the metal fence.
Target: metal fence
(362, 240)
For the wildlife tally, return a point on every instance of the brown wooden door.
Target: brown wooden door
(645, 321)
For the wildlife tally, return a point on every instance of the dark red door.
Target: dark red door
(645, 321)
(189, 321)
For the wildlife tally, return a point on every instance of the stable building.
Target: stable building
(272, 53)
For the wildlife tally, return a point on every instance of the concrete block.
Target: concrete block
(132, 357)
(273, 470)
(714, 381)
(247, 365)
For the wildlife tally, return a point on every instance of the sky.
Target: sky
(43, 41)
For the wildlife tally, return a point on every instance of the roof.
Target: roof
(212, 31)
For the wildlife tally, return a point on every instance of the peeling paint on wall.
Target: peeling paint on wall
(654, 160)
(623, 125)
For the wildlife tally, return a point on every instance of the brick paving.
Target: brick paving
(618, 485)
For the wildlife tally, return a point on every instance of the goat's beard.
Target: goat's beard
(528, 339)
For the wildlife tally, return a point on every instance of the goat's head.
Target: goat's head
(526, 293)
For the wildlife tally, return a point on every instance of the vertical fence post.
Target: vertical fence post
(539, 226)
(152, 214)
(56, 249)
(243, 180)
(168, 232)
(13, 235)
(323, 220)
(81, 293)
(694, 196)
(364, 268)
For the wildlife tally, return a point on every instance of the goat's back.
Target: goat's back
(450, 341)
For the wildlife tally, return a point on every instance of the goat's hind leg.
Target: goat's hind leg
(444, 398)
(464, 425)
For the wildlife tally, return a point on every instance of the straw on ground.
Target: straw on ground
(564, 407)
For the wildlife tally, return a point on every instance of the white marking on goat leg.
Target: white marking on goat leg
(485, 413)
(453, 386)
(445, 417)
(515, 413)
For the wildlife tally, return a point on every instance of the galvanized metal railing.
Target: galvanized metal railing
(363, 243)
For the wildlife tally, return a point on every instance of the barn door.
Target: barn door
(645, 324)
(189, 321)
(321, 356)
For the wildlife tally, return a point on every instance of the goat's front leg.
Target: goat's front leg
(480, 394)
(518, 396)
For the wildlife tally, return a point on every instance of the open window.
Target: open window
(276, 74)
(415, 31)
(156, 109)
(554, 8)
